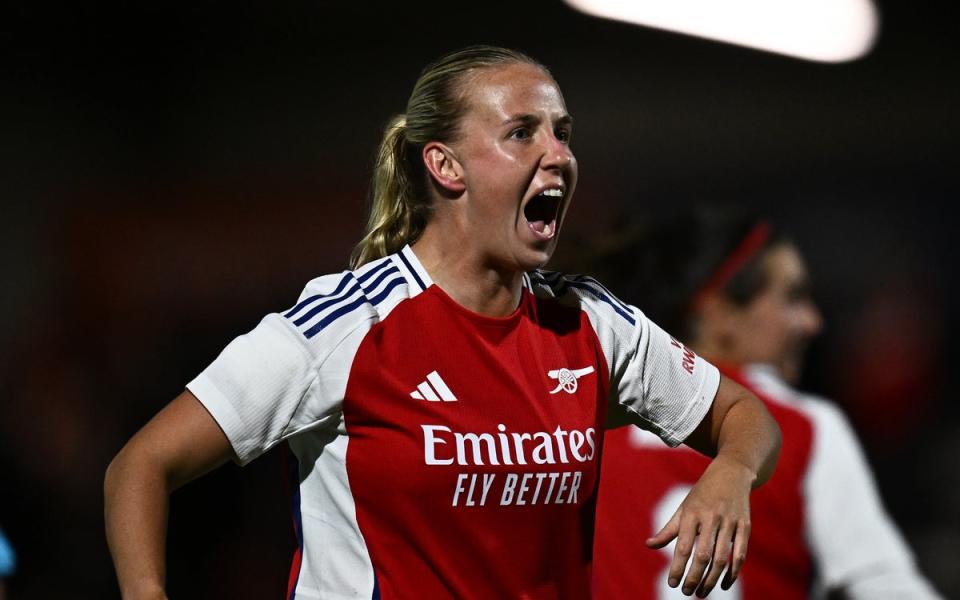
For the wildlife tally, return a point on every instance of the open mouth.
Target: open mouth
(541, 212)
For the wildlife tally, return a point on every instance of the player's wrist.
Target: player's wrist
(144, 591)
(735, 470)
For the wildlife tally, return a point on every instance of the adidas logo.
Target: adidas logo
(433, 389)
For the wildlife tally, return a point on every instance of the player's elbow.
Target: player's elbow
(118, 471)
(135, 465)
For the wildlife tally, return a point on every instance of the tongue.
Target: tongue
(542, 228)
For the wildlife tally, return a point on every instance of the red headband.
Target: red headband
(747, 249)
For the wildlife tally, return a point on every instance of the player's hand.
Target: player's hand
(713, 526)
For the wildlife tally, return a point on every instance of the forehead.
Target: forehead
(785, 265)
(503, 92)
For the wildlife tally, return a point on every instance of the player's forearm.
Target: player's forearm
(749, 437)
(136, 499)
(181, 443)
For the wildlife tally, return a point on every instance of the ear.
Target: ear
(444, 168)
(718, 318)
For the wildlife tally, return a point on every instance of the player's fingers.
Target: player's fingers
(721, 558)
(686, 538)
(740, 541)
(666, 534)
(702, 553)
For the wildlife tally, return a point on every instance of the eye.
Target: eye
(799, 292)
(520, 133)
(563, 134)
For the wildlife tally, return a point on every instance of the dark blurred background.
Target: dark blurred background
(171, 172)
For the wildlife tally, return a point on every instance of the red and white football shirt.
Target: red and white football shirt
(643, 484)
(443, 453)
(817, 524)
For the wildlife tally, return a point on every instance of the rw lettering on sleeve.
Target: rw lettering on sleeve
(688, 357)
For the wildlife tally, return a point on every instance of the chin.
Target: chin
(790, 371)
(537, 258)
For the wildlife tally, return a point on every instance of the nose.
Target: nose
(556, 154)
(811, 319)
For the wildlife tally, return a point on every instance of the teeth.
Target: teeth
(554, 193)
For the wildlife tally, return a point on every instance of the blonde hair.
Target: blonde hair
(400, 201)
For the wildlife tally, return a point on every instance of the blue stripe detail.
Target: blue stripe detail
(379, 280)
(348, 308)
(362, 285)
(597, 284)
(376, 587)
(386, 291)
(557, 283)
(334, 316)
(301, 305)
(412, 271)
(589, 288)
(316, 309)
(369, 274)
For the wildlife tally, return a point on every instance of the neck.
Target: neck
(467, 276)
(711, 351)
(720, 354)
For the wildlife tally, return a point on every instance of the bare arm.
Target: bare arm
(181, 443)
(713, 522)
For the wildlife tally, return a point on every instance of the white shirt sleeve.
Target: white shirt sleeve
(857, 547)
(275, 382)
(656, 381)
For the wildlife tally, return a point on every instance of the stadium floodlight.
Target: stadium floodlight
(818, 30)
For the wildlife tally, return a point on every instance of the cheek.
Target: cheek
(768, 330)
(499, 176)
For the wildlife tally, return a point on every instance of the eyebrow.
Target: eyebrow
(533, 119)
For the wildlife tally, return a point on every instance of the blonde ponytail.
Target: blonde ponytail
(400, 202)
(399, 210)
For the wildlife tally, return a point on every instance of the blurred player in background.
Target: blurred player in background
(738, 293)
